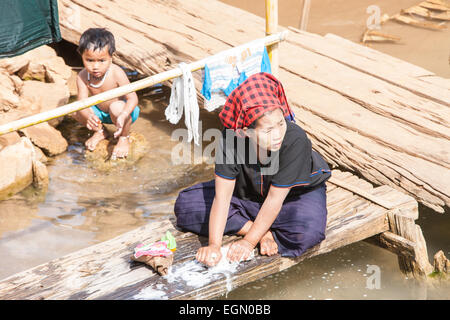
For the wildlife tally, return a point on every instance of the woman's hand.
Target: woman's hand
(240, 250)
(209, 255)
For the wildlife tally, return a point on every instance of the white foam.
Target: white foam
(196, 274)
(150, 293)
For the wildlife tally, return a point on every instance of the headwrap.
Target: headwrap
(261, 92)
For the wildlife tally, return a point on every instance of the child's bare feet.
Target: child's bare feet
(93, 141)
(121, 148)
(267, 245)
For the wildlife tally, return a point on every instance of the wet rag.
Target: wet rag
(158, 255)
(184, 97)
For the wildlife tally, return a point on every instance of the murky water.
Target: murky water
(84, 206)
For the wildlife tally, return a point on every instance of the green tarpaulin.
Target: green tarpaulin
(27, 24)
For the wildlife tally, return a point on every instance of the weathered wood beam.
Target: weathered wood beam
(375, 115)
(105, 271)
(393, 243)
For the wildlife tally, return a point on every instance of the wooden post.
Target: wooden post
(271, 28)
(416, 266)
(305, 14)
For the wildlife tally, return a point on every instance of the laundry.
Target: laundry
(158, 255)
(226, 71)
(184, 97)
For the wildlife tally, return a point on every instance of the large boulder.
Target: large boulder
(9, 98)
(15, 64)
(46, 138)
(36, 96)
(16, 169)
(56, 70)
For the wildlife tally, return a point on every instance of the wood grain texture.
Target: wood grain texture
(375, 115)
(105, 270)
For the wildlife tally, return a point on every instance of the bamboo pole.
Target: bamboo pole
(120, 91)
(271, 28)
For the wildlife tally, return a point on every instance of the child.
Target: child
(96, 48)
(284, 210)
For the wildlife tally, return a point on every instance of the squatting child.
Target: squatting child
(272, 191)
(96, 48)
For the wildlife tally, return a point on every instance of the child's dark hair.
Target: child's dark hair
(97, 38)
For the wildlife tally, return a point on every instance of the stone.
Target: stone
(36, 97)
(47, 138)
(72, 84)
(33, 71)
(56, 70)
(40, 156)
(16, 172)
(40, 175)
(100, 158)
(15, 64)
(9, 139)
(9, 99)
(441, 263)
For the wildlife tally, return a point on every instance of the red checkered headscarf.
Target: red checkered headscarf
(261, 92)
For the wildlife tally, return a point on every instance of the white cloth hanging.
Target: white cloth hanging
(184, 96)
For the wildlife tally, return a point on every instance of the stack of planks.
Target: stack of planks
(365, 111)
(105, 270)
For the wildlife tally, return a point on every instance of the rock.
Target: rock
(72, 83)
(14, 64)
(16, 171)
(18, 83)
(40, 175)
(40, 156)
(56, 70)
(36, 96)
(33, 71)
(9, 139)
(100, 157)
(441, 263)
(47, 138)
(9, 98)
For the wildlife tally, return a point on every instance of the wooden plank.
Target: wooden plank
(372, 62)
(392, 131)
(429, 14)
(379, 156)
(105, 271)
(393, 243)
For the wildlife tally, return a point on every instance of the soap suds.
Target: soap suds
(151, 294)
(196, 274)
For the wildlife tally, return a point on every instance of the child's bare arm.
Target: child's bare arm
(130, 104)
(217, 221)
(92, 121)
(131, 98)
(83, 91)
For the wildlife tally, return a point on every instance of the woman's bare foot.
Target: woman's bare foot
(267, 245)
(93, 141)
(121, 148)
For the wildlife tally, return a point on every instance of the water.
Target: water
(84, 206)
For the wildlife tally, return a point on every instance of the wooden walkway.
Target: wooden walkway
(356, 211)
(365, 111)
